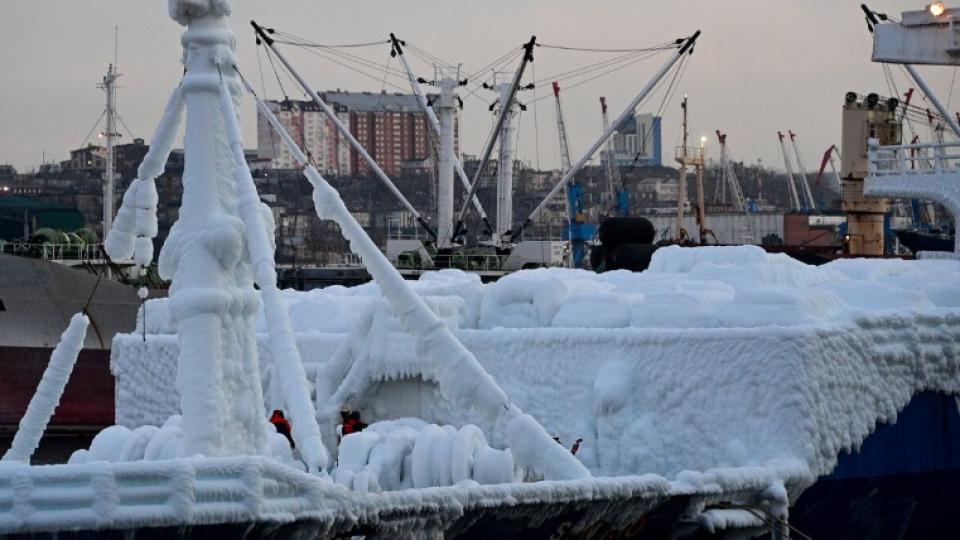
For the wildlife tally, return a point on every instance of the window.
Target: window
(2, 307)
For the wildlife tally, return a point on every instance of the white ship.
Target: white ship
(707, 394)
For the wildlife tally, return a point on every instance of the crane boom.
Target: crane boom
(794, 200)
(435, 122)
(614, 183)
(561, 131)
(495, 133)
(345, 131)
(732, 183)
(686, 45)
(804, 177)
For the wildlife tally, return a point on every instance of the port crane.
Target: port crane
(728, 178)
(804, 177)
(616, 192)
(443, 127)
(685, 46)
(791, 184)
(579, 231)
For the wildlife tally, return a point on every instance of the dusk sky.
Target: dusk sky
(760, 66)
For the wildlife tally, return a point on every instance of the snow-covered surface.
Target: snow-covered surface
(715, 358)
(47, 396)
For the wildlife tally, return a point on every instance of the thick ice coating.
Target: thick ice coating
(47, 396)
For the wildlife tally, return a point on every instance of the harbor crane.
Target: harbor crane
(443, 127)
(804, 177)
(616, 192)
(579, 231)
(794, 199)
(728, 178)
(685, 46)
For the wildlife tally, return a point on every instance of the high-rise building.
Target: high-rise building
(391, 127)
(638, 142)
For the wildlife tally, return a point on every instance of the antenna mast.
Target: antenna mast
(109, 85)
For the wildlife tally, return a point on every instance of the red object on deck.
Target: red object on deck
(88, 399)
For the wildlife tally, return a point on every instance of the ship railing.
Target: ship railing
(54, 252)
(151, 492)
(474, 262)
(913, 159)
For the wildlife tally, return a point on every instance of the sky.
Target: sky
(760, 66)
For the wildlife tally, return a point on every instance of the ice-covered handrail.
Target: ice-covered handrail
(461, 379)
(293, 378)
(45, 400)
(135, 226)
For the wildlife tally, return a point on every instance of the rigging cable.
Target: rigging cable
(95, 124)
(536, 121)
(263, 90)
(599, 75)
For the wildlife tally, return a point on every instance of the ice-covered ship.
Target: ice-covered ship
(709, 394)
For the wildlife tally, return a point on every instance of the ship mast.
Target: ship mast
(109, 86)
(684, 159)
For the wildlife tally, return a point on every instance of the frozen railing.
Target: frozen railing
(913, 159)
(55, 252)
(916, 171)
(123, 495)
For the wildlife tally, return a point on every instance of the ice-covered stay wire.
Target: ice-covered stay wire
(460, 377)
(45, 400)
(280, 335)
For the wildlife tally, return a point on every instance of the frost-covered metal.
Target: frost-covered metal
(205, 257)
(916, 171)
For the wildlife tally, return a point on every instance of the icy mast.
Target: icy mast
(212, 294)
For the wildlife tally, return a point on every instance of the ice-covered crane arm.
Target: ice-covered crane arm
(293, 378)
(136, 222)
(461, 379)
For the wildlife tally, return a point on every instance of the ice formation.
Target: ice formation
(47, 396)
(460, 378)
(259, 241)
(409, 453)
(135, 226)
(212, 295)
(716, 358)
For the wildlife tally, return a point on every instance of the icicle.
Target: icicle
(289, 366)
(49, 391)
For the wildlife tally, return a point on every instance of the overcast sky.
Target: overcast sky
(760, 66)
